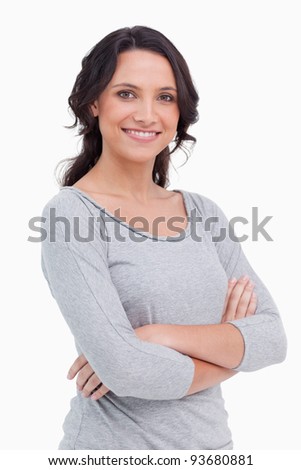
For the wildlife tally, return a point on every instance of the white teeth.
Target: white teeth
(141, 134)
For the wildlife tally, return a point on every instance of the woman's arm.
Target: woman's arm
(262, 334)
(206, 375)
(220, 344)
(245, 343)
(239, 302)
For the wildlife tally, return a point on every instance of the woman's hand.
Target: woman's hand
(240, 301)
(87, 381)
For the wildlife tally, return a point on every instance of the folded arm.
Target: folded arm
(264, 338)
(243, 344)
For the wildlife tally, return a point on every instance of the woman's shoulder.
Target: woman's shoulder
(70, 210)
(69, 207)
(68, 201)
(213, 217)
(203, 203)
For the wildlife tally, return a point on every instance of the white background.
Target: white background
(244, 57)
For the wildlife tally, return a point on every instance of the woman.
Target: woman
(161, 314)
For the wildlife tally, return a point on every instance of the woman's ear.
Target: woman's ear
(94, 108)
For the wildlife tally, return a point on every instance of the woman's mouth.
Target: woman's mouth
(142, 136)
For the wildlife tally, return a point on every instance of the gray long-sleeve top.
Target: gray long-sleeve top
(108, 278)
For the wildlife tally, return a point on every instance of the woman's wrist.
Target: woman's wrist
(154, 333)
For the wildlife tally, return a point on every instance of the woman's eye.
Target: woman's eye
(167, 98)
(129, 95)
(125, 94)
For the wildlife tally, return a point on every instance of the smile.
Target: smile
(141, 135)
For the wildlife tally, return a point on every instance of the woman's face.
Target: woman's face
(138, 111)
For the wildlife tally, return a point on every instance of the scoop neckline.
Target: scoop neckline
(180, 236)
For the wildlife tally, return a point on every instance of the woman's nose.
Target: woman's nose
(146, 112)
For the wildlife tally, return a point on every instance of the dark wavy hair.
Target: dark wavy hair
(98, 67)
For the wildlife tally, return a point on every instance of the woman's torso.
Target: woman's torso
(159, 280)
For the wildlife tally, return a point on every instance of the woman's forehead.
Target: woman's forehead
(141, 67)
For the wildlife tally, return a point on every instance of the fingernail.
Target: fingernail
(69, 375)
(244, 278)
(233, 279)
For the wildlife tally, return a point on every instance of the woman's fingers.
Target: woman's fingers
(231, 284)
(244, 300)
(235, 298)
(252, 305)
(84, 375)
(76, 366)
(92, 383)
(100, 392)
(96, 387)
(87, 381)
(81, 367)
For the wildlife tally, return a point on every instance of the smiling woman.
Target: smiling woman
(159, 320)
(138, 110)
(109, 73)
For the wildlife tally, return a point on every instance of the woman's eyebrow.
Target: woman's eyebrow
(130, 85)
